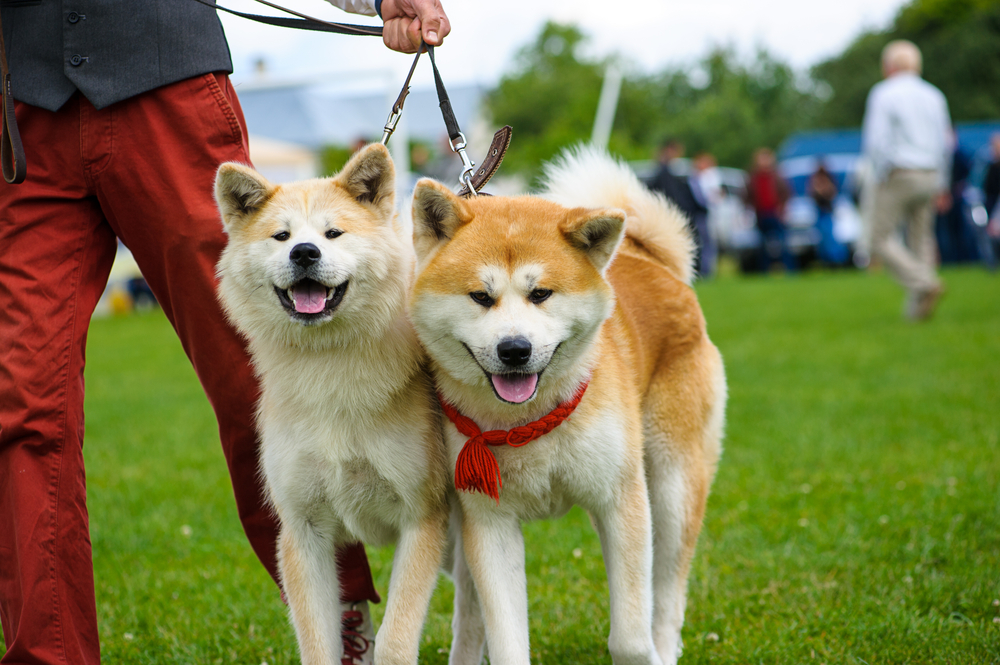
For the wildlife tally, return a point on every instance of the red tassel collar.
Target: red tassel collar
(476, 469)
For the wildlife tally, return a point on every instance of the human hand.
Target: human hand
(406, 22)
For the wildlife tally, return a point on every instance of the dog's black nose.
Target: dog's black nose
(305, 254)
(514, 352)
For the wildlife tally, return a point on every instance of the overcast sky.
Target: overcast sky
(485, 35)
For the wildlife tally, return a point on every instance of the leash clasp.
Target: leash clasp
(390, 124)
(468, 166)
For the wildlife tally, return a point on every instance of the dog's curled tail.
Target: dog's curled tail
(590, 177)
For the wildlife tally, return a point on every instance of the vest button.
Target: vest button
(76, 60)
(73, 17)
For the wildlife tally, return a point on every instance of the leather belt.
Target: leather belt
(11, 149)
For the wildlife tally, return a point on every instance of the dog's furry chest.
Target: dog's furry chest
(343, 484)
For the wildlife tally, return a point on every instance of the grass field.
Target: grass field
(855, 517)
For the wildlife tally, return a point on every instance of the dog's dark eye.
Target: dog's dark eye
(334, 233)
(539, 296)
(282, 236)
(482, 298)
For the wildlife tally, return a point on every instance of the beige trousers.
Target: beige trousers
(906, 199)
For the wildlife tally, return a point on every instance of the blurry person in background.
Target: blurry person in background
(907, 136)
(823, 190)
(991, 191)
(952, 227)
(677, 189)
(706, 186)
(768, 192)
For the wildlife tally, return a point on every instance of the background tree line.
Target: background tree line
(730, 105)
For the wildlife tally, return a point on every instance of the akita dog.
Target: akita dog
(576, 338)
(316, 276)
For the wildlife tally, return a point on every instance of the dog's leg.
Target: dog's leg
(415, 568)
(669, 496)
(467, 628)
(626, 542)
(494, 552)
(308, 566)
(681, 456)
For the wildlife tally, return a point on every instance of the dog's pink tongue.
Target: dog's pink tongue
(515, 387)
(310, 297)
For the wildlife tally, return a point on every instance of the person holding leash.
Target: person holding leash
(126, 111)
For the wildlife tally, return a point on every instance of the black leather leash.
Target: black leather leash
(472, 181)
(11, 150)
(304, 22)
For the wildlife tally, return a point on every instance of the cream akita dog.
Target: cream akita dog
(316, 276)
(533, 310)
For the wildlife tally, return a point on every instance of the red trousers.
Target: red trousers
(142, 170)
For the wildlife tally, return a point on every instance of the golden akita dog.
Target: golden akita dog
(572, 362)
(316, 276)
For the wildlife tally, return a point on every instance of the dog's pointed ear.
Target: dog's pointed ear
(240, 192)
(596, 232)
(370, 178)
(437, 214)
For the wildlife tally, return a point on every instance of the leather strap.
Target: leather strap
(454, 131)
(11, 150)
(501, 141)
(304, 22)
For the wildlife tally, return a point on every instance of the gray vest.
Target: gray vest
(109, 50)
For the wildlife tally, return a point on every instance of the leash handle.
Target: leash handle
(11, 149)
(304, 22)
(470, 179)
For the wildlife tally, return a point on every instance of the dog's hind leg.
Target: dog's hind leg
(308, 566)
(683, 431)
(467, 628)
(494, 552)
(669, 496)
(626, 542)
(415, 569)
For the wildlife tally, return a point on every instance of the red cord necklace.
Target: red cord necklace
(476, 469)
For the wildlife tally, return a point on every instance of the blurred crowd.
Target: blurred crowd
(747, 215)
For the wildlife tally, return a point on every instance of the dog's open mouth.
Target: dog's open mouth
(308, 299)
(514, 388)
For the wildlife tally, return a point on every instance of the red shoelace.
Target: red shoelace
(355, 644)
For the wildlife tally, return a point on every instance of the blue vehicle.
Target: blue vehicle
(840, 151)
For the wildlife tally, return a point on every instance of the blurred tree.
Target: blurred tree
(549, 98)
(960, 41)
(720, 105)
(730, 108)
(332, 158)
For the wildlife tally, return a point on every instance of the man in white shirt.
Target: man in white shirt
(907, 138)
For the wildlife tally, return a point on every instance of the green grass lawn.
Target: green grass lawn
(855, 517)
